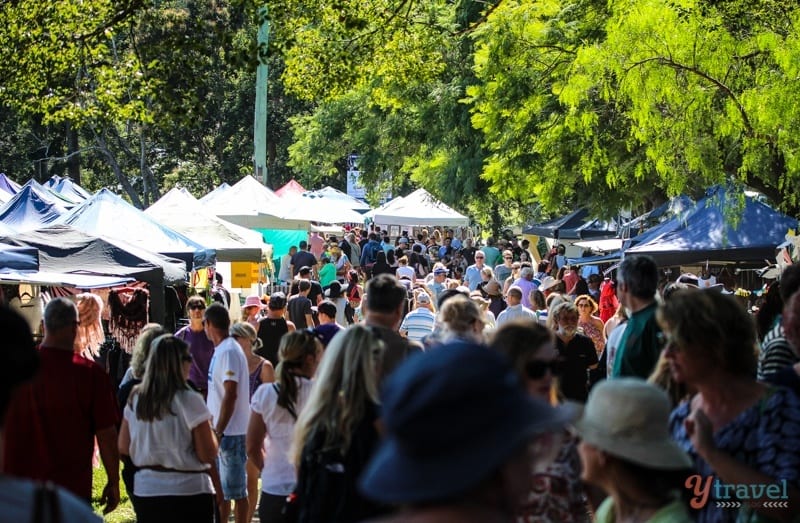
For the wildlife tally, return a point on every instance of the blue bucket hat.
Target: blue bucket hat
(452, 417)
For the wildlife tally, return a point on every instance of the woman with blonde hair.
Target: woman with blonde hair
(274, 409)
(337, 432)
(132, 378)
(261, 371)
(166, 431)
(462, 319)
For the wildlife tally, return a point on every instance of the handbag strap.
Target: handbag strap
(46, 507)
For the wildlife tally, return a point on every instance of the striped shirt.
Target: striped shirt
(418, 324)
(776, 353)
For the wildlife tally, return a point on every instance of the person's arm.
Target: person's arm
(205, 446)
(267, 372)
(733, 472)
(309, 321)
(227, 406)
(256, 431)
(109, 444)
(291, 326)
(124, 440)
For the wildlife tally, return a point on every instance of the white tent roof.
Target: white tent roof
(249, 204)
(336, 194)
(419, 208)
(181, 211)
(317, 207)
(221, 188)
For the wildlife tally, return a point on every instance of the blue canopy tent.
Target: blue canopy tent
(67, 251)
(18, 258)
(106, 214)
(30, 208)
(553, 228)
(71, 190)
(706, 233)
(8, 185)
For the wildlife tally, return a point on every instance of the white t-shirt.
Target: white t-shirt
(229, 364)
(278, 477)
(168, 443)
(612, 344)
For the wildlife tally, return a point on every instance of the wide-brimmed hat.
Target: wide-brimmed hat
(492, 288)
(548, 282)
(253, 301)
(629, 418)
(436, 446)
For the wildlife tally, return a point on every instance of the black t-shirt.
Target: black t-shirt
(270, 332)
(302, 258)
(576, 358)
(469, 254)
(298, 308)
(316, 290)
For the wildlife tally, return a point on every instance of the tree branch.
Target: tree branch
(669, 62)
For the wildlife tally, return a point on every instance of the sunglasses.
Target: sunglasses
(537, 369)
(196, 306)
(187, 358)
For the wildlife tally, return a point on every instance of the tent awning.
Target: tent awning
(56, 279)
(416, 209)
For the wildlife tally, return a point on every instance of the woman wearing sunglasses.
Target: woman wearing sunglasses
(200, 346)
(556, 493)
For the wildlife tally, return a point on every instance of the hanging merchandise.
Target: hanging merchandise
(128, 314)
(90, 330)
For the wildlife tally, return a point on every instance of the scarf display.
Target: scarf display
(128, 314)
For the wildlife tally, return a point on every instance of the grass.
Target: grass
(124, 512)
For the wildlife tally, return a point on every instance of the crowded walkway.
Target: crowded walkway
(432, 377)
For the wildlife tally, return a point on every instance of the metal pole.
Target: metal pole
(262, 73)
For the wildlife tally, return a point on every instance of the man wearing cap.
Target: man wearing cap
(368, 252)
(639, 347)
(458, 428)
(419, 322)
(439, 282)
(272, 327)
(229, 405)
(53, 421)
(515, 310)
(302, 258)
(526, 283)
(327, 328)
(472, 276)
(386, 298)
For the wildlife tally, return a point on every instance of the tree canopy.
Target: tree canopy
(504, 107)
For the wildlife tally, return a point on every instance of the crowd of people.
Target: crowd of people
(427, 379)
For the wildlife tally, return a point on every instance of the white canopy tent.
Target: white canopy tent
(351, 202)
(317, 207)
(419, 208)
(181, 211)
(249, 204)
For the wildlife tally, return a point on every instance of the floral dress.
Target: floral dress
(557, 494)
(765, 437)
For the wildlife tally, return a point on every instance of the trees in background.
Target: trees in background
(495, 106)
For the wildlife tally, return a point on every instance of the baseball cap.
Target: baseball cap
(277, 300)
